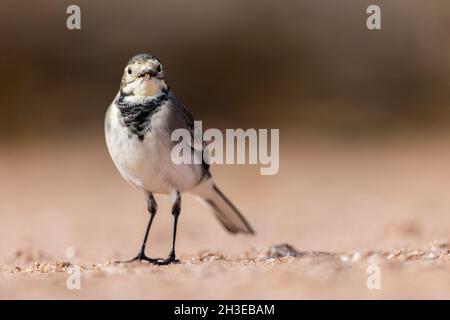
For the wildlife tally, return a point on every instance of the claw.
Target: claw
(140, 257)
(170, 259)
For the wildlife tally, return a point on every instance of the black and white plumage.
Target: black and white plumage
(138, 127)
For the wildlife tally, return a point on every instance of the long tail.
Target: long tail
(224, 210)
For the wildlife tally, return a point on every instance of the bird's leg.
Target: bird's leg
(152, 208)
(176, 209)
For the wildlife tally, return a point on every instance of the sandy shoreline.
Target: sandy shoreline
(343, 207)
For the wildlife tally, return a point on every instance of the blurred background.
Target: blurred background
(363, 118)
(299, 64)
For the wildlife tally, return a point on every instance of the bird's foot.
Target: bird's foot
(169, 260)
(141, 257)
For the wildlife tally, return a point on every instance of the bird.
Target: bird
(138, 127)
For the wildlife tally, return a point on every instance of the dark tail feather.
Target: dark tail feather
(225, 211)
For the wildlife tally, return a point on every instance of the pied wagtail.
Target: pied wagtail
(138, 127)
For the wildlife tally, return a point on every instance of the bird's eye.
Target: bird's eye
(129, 70)
(158, 68)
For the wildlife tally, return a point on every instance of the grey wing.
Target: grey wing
(182, 118)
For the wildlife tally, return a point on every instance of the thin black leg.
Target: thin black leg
(152, 208)
(176, 209)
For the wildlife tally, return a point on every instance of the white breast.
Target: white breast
(147, 164)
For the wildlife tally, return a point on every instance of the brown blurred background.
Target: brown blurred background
(364, 153)
(289, 64)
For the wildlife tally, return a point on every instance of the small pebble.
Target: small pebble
(282, 251)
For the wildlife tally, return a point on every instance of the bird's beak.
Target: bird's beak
(147, 72)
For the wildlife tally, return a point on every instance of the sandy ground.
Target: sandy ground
(343, 207)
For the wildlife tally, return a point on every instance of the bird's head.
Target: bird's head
(143, 77)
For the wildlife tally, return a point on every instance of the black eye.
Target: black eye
(158, 68)
(129, 70)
